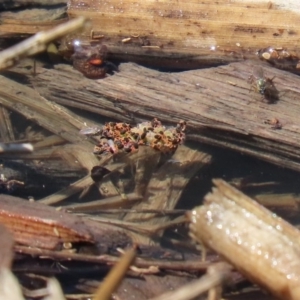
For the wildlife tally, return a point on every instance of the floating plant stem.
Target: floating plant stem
(262, 246)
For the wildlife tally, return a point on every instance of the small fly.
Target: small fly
(263, 85)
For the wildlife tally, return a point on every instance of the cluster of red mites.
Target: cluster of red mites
(117, 137)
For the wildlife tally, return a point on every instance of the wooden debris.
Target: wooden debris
(103, 204)
(163, 264)
(166, 186)
(74, 188)
(41, 226)
(115, 276)
(38, 42)
(262, 246)
(204, 34)
(216, 112)
(6, 127)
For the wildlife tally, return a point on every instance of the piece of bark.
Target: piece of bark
(189, 34)
(41, 226)
(262, 246)
(218, 104)
(37, 225)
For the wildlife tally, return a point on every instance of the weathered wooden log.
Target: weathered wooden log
(218, 104)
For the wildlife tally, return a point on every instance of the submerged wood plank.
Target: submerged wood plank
(217, 104)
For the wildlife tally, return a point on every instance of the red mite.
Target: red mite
(96, 62)
(91, 60)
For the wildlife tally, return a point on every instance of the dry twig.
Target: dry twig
(38, 42)
(115, 276)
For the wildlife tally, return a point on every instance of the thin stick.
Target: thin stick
(115, 276)
(102, 210)
(191, 265)
(74, 188)
(98, 205)
(38, 42)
